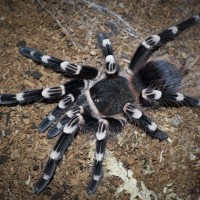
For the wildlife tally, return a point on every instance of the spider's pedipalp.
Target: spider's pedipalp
(105, 44)
(136, 117)
(111, 67)
(154, 42)
(72, 125)
(150, 97)
(63, 103)
(64, 67)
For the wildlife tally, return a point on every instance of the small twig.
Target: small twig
(125, 60)
(100, 8)
(161, 156)
(59, 24)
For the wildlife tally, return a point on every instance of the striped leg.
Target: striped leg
(111, 67)
(46, 94)
(58, 151)
(55, 114)
(154, 42)
(136, 117)
(57, 129)
(150, 97)
(64, 67)
(76, 117)
(89, 122)
(101, 134)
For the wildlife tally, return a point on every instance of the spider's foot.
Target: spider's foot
(7, 99)
(41, 184)
(49, 169)
(101, 37)
(92, 187)
(137, 117)
(54, 131)
(31, 53)
(48, 121)
(160, 135)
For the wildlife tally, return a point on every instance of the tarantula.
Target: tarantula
(104, 101)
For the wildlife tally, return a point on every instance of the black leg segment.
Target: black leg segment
(64, 67)
(154, 42)
(104, 125)
(51, 94)
(62, 144)
(150, 97)
(136, 117)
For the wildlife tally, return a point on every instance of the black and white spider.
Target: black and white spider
(104, 101)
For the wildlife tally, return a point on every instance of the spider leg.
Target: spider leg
(150, 97)
(154, 42)
(56, 129)
(64, 67)
(112, 68)
(46, 94)
(89, 121)
(136, 117)
(77, 117)
(101, 134)
(61, 146)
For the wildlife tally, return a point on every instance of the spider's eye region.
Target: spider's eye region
(96, 100)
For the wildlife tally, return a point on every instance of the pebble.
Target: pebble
(93, 53)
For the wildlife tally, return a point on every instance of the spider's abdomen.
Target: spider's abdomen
(110, 95)
(160, 75)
